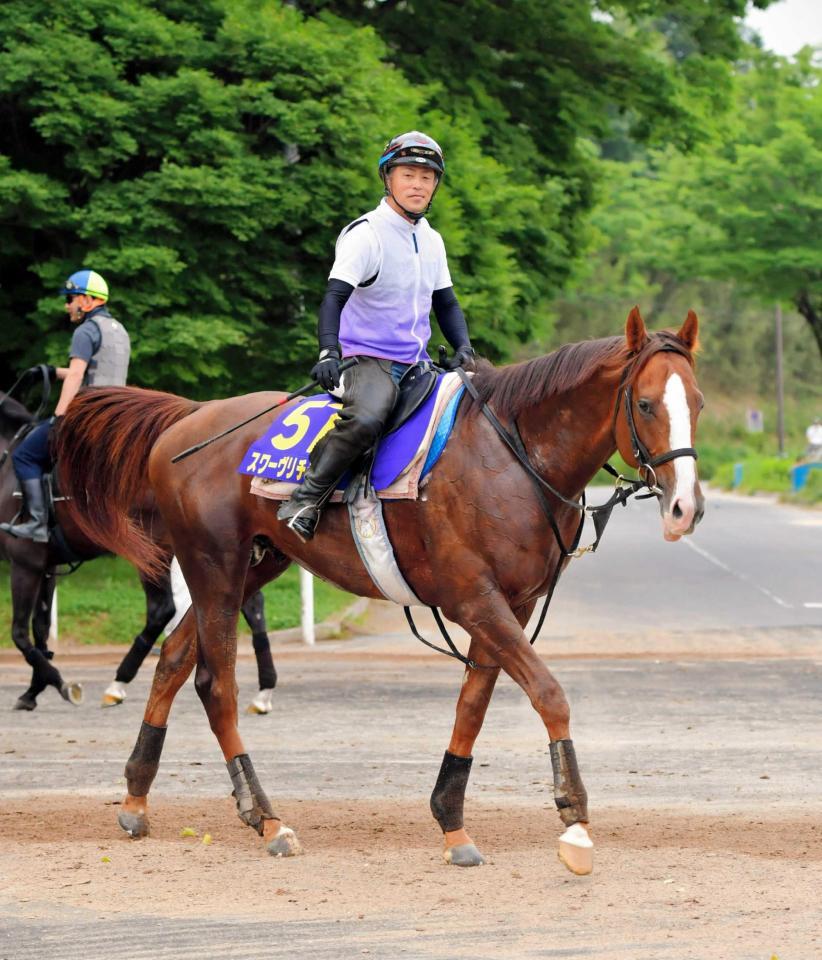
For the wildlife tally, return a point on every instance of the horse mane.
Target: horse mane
(516, 387)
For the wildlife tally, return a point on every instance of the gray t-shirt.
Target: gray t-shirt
(85, 341)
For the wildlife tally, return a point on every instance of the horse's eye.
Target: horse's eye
(645, 406)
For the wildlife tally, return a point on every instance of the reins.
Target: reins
(25, 428)
(625, 488)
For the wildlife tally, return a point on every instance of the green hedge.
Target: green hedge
(103, 603)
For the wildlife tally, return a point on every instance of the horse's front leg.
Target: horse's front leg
(499, 638)
(448, 798)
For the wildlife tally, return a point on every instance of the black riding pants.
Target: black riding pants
(368, 393)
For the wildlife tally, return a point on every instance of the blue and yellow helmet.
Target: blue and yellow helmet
(86, 281)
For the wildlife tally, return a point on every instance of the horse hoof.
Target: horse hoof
(72, 692)
(464, 855)
(115, 694)
(134, 824)
(285, 844)
(576, 850)
(261, 704)
(25, 703)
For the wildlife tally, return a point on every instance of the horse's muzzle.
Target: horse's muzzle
(682, 514)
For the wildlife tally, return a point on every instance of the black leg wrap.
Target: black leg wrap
(569, 793)
(449, 791)
(253, 807)
(266, 672)
(133, 660)
(142, 765)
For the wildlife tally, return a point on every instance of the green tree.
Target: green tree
(544, 76)
(760, 194)
(203, 157)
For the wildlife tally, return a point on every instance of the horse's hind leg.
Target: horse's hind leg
(159, 610)
(40, 626)
(448, 797)
(254, 613)
(26, 588)
(498, 635)
(216, 685)
(177, 659)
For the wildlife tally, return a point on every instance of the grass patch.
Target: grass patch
(103, 603)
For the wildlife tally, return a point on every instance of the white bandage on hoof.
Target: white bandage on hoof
(114, 695)
(576, 850)
(285, 844)
(262, 702)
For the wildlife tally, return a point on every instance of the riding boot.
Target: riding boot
(302, 511)
(37, 528)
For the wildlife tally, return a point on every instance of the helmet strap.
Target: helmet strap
(412, 215)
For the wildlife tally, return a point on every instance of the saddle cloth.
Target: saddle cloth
(278, 460)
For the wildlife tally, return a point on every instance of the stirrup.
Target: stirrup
(303, 524)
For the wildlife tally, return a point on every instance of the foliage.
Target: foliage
(203, 158)
(769, 475)
(103, 603)
(760, 193)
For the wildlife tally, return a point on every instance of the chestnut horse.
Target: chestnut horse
(482, 543)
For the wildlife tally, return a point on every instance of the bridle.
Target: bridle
(624, 488)
(645, 462)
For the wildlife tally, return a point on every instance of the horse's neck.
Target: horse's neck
(569, 436)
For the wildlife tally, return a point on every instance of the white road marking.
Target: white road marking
(813, 606)
(734, 573)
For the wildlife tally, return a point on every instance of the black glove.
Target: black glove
(463, 357)
(327, 371)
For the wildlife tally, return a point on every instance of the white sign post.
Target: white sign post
(307, 606)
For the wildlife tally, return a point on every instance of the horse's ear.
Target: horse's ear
(635, 333)
(689, 331)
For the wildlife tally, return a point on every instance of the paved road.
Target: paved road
(752, 563)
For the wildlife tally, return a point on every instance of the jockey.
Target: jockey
(390, 269)
(98, 356)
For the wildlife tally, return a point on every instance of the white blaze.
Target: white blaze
(679, 416)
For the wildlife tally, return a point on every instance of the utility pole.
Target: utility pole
(780, 384)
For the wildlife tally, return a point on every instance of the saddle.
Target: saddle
(416, 386)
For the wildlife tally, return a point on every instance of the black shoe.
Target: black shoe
(37, 527)
(304, 524)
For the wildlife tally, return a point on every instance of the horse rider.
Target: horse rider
(389, 270)
(98, 356)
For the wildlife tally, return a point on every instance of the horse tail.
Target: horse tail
(102, 450)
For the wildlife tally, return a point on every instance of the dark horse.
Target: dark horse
(33, 569)
(482, 543)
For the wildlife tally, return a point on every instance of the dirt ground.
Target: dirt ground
(706, 818)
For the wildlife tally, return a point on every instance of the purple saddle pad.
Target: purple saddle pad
(282, 452)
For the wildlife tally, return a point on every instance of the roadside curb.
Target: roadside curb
(340, 626)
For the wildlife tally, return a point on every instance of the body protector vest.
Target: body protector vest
(109, 365)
